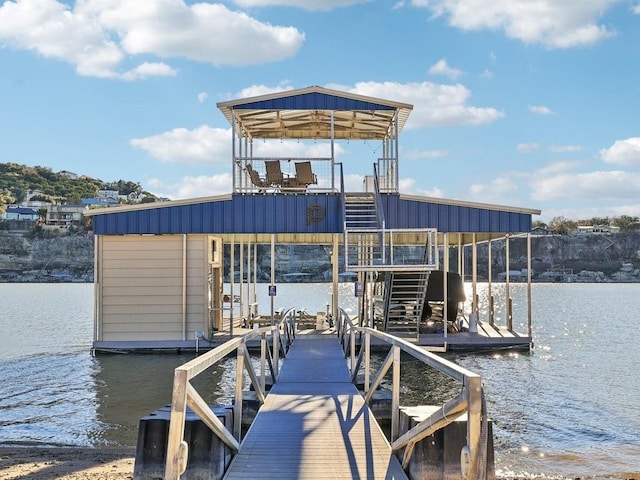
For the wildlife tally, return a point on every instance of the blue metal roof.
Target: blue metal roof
(299, 214)
(316, 113)
(313, 101)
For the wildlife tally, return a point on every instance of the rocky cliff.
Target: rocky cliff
(24, 257)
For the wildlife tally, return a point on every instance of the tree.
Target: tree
(626, 223)
(5, 199)
(562, 225)
(538, 224)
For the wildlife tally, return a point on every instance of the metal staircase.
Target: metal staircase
(403, 257)
(403, 302)
(363, 232)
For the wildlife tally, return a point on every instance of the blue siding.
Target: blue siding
(302, 214)
(242, 214)
(312, 101)
(400, 213)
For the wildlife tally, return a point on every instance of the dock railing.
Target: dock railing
(185, 395)
(470, 400)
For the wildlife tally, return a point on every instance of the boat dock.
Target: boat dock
(314, 424)
(320, 419)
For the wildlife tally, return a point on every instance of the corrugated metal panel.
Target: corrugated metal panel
(302, 214)
(402, 213)
(312, 101)
(242, 214)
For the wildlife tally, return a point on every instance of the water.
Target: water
(570, 409)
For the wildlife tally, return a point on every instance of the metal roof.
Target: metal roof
(306, 114)
(302, 217)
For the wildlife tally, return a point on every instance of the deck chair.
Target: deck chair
(255, 178)
(274, 174)
(304, 175)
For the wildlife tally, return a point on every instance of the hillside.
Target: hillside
(56, 187)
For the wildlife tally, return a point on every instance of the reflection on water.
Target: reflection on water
(132, 386)
(570, 408)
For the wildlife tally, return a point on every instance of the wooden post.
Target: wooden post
(173, 467)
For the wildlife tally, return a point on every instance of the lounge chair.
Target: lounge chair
(304, 175)
(255, 178)
(274, 174)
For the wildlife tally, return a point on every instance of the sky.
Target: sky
(523, 103)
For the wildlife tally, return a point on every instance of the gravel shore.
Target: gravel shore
(66, 463)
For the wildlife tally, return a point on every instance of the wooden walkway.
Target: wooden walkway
(314, 424)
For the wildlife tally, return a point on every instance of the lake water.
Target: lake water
(569, 409)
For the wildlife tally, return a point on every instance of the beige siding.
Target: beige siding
(141, 291)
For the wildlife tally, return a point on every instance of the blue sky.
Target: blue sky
(527, 103)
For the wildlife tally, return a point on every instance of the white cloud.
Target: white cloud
(565, 148)
(553, 23)
(146, 70)
(496, 191)
(435, 105)
(487, 74)
(623, 152)
(636, 9)
(409, 186)
(424, 154)
(442, 68)
(527, 147)
(202, 96)
(100, 37)
(541, 110)
(324, 5)
(606, 186)
(353, 182)
(203, 145)
(257, 90)
(192, 187)
(555, 168)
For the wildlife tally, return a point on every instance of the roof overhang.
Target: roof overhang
(316, 113)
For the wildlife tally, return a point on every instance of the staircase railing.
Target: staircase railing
(470, 400)
(379, 213)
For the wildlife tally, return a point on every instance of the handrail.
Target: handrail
(469, 400)
(185, 395)
(379, 213)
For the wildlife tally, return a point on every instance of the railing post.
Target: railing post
(352, 338)
(173, 467)
(367, 361)
(395, 399)
(276, 351)
(237, 407)
(474, 423)
(263, 358)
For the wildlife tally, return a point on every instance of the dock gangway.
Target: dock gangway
(314, 422)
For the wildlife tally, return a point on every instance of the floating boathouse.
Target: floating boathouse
(159, 267)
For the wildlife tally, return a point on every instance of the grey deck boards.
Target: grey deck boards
(314, 423)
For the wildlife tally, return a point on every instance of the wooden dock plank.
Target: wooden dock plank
(314, 423)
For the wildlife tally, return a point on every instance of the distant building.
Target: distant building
(100, 202)
(64, 216)
(597, 229)
(136, 197)
(113, 194)
(540, 231)
(20, 213)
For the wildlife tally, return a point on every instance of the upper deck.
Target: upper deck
(313, 114)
